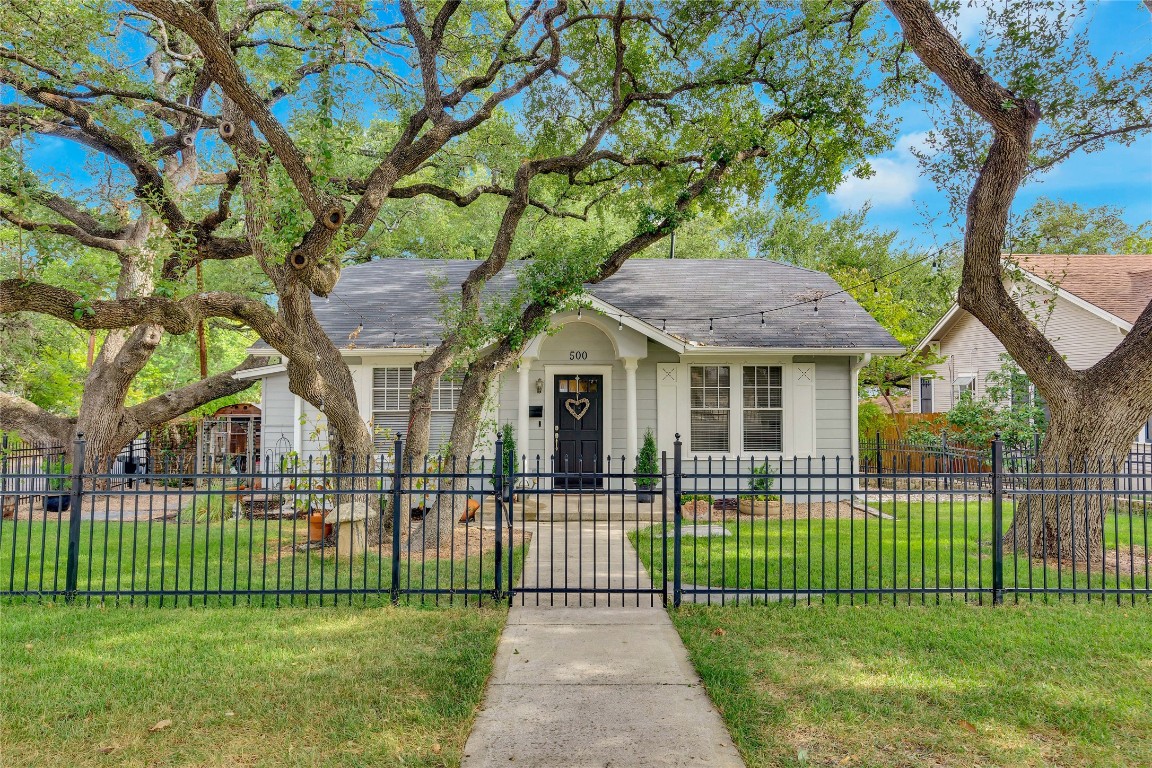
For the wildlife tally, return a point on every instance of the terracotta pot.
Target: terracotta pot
(317, 528)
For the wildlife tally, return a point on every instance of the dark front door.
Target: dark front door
(579, 430)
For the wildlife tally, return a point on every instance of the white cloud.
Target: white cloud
(894, 181)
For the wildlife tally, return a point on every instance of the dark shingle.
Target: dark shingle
(399, 302)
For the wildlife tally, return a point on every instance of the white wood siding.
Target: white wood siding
(276, 421)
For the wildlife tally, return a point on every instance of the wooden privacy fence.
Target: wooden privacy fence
(880, 455)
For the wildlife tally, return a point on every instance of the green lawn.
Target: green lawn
(923, 545)
(954, 685)
(214, 558)
(293, 687)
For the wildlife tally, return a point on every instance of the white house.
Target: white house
(732, 354)
(1084, 304)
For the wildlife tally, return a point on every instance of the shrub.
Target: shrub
(647, 464)
(508, 435)
(688, 498)
(56, 465)
(762, 481)
(872, 418)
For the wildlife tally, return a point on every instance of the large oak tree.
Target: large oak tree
(1028, 95)
(319, 119)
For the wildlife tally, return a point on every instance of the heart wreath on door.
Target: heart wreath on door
(577, 406)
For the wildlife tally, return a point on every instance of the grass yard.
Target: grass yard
(291, 687)
(187, 562)
(954, 685)
(937, 546)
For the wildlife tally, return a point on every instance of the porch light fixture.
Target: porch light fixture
(539, 386)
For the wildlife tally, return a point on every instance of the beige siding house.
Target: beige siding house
(1084, 304)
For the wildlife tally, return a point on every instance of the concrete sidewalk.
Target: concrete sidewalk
(596, 687)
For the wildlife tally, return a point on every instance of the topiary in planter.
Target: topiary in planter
(647, 469)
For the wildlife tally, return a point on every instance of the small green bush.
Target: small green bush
(511, 462)
(647, 464)
(688, 498)
(56, 465)
(762, 481)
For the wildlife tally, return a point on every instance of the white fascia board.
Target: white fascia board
(635, 323)
(826, 351)
(934, 334)
(261, 372)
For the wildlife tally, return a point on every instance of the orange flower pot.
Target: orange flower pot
(317, 528)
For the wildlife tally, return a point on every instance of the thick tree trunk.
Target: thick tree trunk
(1087, 442)
(474, 391)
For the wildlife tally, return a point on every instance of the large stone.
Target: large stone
(350, 527)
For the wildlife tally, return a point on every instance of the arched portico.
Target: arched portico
(597, 348)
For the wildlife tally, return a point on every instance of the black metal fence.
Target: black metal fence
(817, 530)
(545, 531)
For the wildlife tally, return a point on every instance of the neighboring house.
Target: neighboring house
(1084, 304)
(639, 354)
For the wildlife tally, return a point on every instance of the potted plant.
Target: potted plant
(761, 482)
(508, 462)
(59, 472)
(647, 469)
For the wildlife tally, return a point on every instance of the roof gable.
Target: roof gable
(398, 303)
(1119, 285)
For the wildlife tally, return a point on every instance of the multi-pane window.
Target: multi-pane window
(392, 401)
(763, 408)
(926, 405)
(710, 396)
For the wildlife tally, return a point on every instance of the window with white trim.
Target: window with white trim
(710, 394)
(392, 401)
(961, 385)
(763, 408)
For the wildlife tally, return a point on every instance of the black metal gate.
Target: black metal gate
(583, 535)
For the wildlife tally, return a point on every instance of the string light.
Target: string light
(710, 326)
(922, 260)
(761, 319)
(875, 289)
(816, 306)
(620, 323)
(579, 312)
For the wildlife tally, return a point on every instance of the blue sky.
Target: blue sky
(1118, 176)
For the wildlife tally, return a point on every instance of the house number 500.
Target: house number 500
(581, 355)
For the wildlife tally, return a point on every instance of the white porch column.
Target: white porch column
(631, 447)
(522, 404)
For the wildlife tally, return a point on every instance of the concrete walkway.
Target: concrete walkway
(595, 686)
(584, 564)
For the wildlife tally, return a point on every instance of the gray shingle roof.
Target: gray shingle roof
(399, 303)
